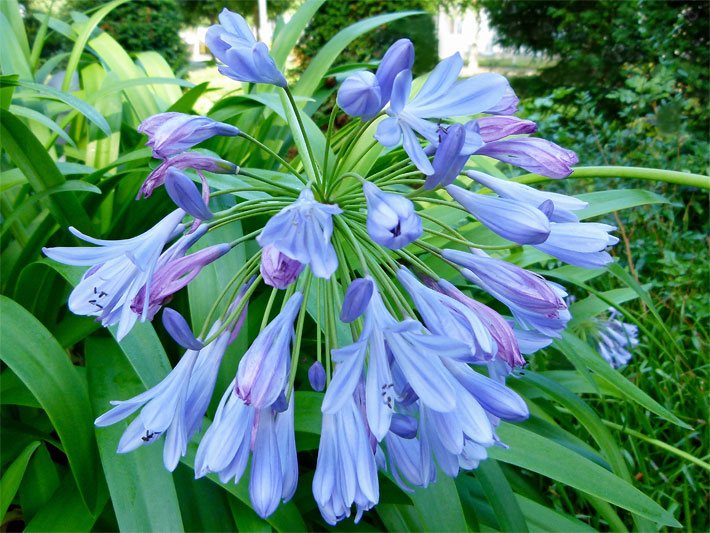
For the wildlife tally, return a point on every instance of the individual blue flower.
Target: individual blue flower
(581, 244)
(302, 231)
(616, 339)
(175, 406)
(180, 331)
(513, 220)
(240, 430)
(391, 219)
(264, 368)
(183, 191)
(533, 154)
(194, 160)
(441, 96)
(535, 302)
(356, 299)
(316, 376)
(365, 94)
(277, 269)
(346, 473)
(456, 144)
(243, 57)
(172, 133)
(508, 103)
(563, 205)
(448, 317)
(119, 269)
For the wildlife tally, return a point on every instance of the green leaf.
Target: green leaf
(500, 496)
(72, 101)
(603, 202)
(187, 101)
(542, 518)
(142, 491)
(439, 507)
(327, 55)
(38, 360)
(37, 166)
(11, 478)
(40, 481)
(580, 353)
(47, 122)
(286, 38)
(591, 306)
(530, 451)
(12, 56)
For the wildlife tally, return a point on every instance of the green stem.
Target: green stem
(281, 186)
(234, 314)
(328, 136)
(273, 154)
(299, 334)
(269, 305)
(654, 174)
(297, 112)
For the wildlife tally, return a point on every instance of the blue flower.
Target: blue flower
(175, 406)
(172, 133)
(391, 219)
(302, 232)
(243, 58)
(456, 144)
(183, 191)
(441, 96)
(263, 370)
(582, 244)
(277, 269)
(533, 154)
(316, 376)
(616, 339)
(497, 127)
(119, 270)
(513, 220)
(364, 94)
(346, 473)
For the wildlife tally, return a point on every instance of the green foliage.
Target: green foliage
(573, 466)
(143, 25)
(334, 16)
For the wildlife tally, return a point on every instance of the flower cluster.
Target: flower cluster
(420, 386)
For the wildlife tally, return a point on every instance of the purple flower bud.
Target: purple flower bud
(404, 426)
(391, 219)
(244, 59)
(507, 105)
(316, 376)
(185, 194)
(172, 133)
(179, 330)
(512, 220)
(360, 96)
(533, 154)
(277, 269)
(195, 160)
(495, 128)
(399, 57)
(357, 298)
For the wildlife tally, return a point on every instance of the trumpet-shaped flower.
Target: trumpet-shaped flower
(263, 371)
(346, 473)
(441, 96)
(511, 219)
(302, 231)
(243, 57)
(582, 244)
(391, 218)
(172, 133)
(119, 269)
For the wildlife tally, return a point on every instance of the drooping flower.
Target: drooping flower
(243, 57)
(364, 94)
(194, 160)
(441, 96)
(171, 133)
(277, 269)
(239, 430)
(346, 473)
(513, 220)
(391, 218)
(533, 301)
(263, 370)
(175, 406)
(302, 231)
(119, 269)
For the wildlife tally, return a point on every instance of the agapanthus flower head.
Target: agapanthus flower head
(171, 133)
(243, 57)
(302, 231)
(391, 218)
(616, 339)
